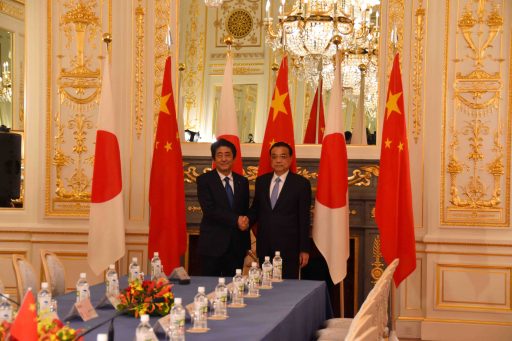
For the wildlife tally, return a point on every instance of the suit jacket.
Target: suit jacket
(219, 225)
(286, 227)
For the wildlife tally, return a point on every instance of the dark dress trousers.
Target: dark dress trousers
(222, 246)
(286, 227)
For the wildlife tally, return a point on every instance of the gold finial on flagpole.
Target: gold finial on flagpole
(228, 40)
(394, 38)
(168, 40)
(107, 39)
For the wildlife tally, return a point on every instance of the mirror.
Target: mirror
(202, 51)
(6, 112)
(12, 105)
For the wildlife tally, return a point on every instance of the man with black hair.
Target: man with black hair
(224, 197)
(281, 207)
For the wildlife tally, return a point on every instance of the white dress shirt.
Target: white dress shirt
(230, 176)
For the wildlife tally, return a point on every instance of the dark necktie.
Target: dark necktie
(229, 192)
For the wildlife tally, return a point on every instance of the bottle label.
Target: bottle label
(6, 314)
(44, 303)
(156, 269)
(134, 273)
(222, 295)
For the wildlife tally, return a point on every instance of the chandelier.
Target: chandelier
(6, 84)
(313, 30)
(213, 3)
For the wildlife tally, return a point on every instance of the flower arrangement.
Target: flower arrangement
(140, 296)
(47, 329)
(55, 330)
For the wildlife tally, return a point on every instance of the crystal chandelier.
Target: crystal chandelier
(313, 30)
(213, 3)
(6, 84)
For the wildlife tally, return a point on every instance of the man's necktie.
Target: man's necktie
(229, 192)
(275, 192)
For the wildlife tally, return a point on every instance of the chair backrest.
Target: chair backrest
(374, 311)
(54, 272)
(2, 288)
(25, 275)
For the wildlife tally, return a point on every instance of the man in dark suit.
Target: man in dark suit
(224, 197)
(281, 208)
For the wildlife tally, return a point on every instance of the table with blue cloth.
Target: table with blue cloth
(292, 310)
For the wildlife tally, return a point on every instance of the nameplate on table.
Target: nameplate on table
(85, 309)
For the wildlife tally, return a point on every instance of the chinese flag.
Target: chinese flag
(227, 124)
(330, 223)
(279, 123)
(106, 219)
(311, 128)
(24, 327)
(167, 230)
(393, 210)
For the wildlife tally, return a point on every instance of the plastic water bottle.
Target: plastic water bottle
(5, 309)
(82, 288)
(221, 295)
(254, 280)
(176, 330)
(144, 330)
(102, 337)
(238, 288)
(267, 273)
(133, 270)
(200, 309)
(44, 298)
(156, 266)
(111, 281)
(277, 267)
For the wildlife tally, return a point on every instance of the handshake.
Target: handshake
(243, 223)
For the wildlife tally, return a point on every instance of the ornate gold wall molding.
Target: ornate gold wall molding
(15, 9)
(360, 177)
(75, 30)
(377, 265)
(161, 15)
(139, 68)
(240, 20)
(418, 69)
(193, 55)
(477, 191)
(396, 14)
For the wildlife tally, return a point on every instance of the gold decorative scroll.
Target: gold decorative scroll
(139, 69)
(396, 10)
(418, 70)
(478, 158)
(75, 54)
(13, 9)
(360, 177)
(377, 264)
(193, 55)
(162, 15)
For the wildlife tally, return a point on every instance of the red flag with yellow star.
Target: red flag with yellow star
(393, 209)
(310, 136)
(279, 123)
(24, 327)
(167, 230)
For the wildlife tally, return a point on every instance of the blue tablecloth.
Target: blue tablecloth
(292, 310)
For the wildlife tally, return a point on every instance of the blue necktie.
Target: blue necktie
(275, 192)
(229, 192)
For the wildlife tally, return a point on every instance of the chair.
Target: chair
(25, 275)
(373, 313)
(54, 272)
